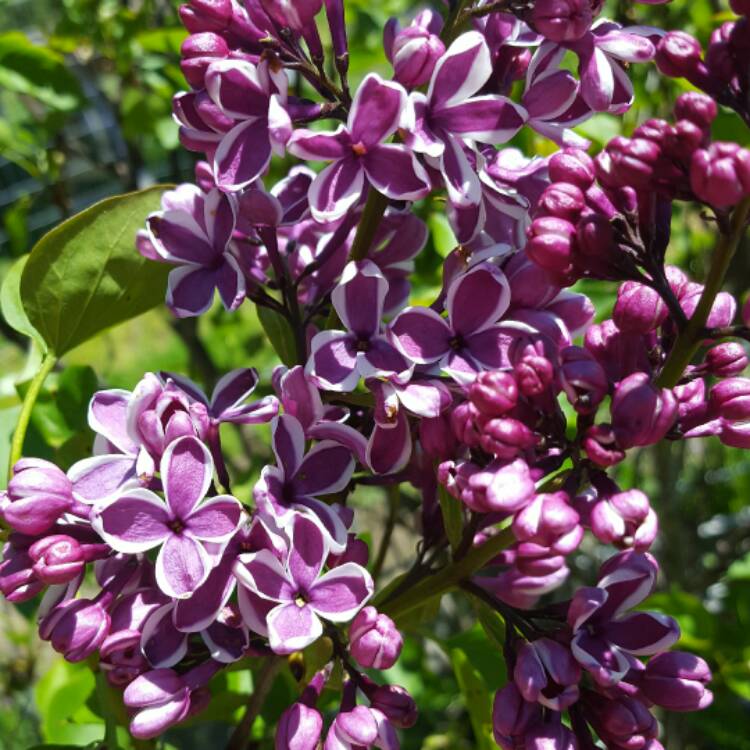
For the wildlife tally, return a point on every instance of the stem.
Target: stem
(449, 577)
(507, 612)
(394, 501)
(453, 22)
(16, 446)
(689, 338)
(262, 686)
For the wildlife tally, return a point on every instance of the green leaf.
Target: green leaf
(453, 518)
(86, 274)
(12, 306)
(26, 68)
(477, 698)
(279, 333)
(492, 624)
(442, 234)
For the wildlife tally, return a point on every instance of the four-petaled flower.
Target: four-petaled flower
(139, 520)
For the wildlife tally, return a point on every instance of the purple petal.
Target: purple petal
(395, 171)
(477, 299)
(178, 237)
(107, 417)
(243, 155)
(343, 434)
(263, 574)
(151, 722)
(606, 663)
(134, 522)
(292, 628)
(461, 71)
(288, 444)
(489, 347)
(489, 119)
(597, 80)
(382, 360)
(551, 95)
(315, 146)
(235, 87)
(330, 521)
(625, 46)
(186, 472)
(202, 608)
(181, 566)
(300, 397)
(333, 361)
(307, 552)
(254, 610)
(643, 633)
(325, 469)
(421, 334)
(359, 296)
(389, 449)
(336, 189)
(191, 290)
(342, 592)
(216, 519)
(460, 176)
(97, 478)
(425, 398)
(162, 644)
(226, 644)
(219, 214)
(232, 389)
(376, 110)
(257, 412)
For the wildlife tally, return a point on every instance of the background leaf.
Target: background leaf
(12, 306)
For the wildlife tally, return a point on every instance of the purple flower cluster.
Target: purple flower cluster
(465, 396)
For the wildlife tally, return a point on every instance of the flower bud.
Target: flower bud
(17, 580)
(639, 309)
(353, 728)
(512, 716)
(76, 628)
(39, 494)
(374, 639)
(505, 437)
(198, 52)
(572, 165)
(463, 422)
(678, 54)
(730, 399)
(57, 559)
(436, 437)
(726, 360)
(547, 673)
(624, 519)
(624, 722)
(583, 379)
(395, 703)
(494, 393)
(206, 15)
(549, 521)
(297, 15)
(696, 107)
(642, 414)
(550, 736)
(601, 445)
(299, 728)
(720, 174)
(414, 53)
(551, 243)
(562, 20)
(677, 681)
(161, 699)
(634, 161)
(121, 658)
(563, 201)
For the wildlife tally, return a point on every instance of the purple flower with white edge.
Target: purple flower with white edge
(360, 155)
(339, 359)
(547, 673)
(468, 340)
(255, 96)
(199, 241)
(300, 595)
(138, 520)
(438, 124)
(294, 484)
(604, 634)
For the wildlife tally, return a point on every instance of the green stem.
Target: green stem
(16, 446)
(453, 22)
(688, 340)
(394, 502)
(449, 577)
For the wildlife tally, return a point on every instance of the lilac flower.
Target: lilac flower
(604, 635)
(138, 520)
(546, 673)
(339, 358)
(299, 595)
(438, 123)
(255, 96)
(374, 639)
(293, 486)
(200, 242)
(468, 340)
(414, 50)
(360, 155)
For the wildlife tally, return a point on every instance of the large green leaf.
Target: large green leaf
(11, 305)
(26, 68)
(279, 333)
(86, 274)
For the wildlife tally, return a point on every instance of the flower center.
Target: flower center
(359, 148)
(176, 526)
(300, 600)
(363, 345)
(456, 342)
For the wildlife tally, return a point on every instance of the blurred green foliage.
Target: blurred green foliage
(54, 56)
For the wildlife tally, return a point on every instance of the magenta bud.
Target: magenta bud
(414, 54)
(624, 722)
(512, 716)
(375, 642)
(601, 445)
(436, 437)
(463, 421)
(642, 414)
(299, 728)
(639, 309)
(160, 699)
(696, 107)
(39, 494)
(534, 374)
(198, 52)
(17, 580)
(76, 628)
(678, 54)
(624, 519)
(505, 437)
(547, 520)
(677, 681)
(297, 15)
(550, 736)
(562, 20)
(395, 703)
(582, 378)
(547, 673)
(730, 399)
(563, 201)
(726, 360)
(494, 393)
(572, 165)
(57, 559)
(720, 174)
(206, 15)
(634, 161)
(356, 551)
(551, 243)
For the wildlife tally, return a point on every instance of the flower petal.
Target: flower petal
(216, 519)
(243, 155)
(327, 468)
(107, 417)
(292, 628)
(162, 644)
(394, 170)
(376, 110)
(190, 290)
(288, 444)
(307, 552)
(477, 299)
(134, 522)
(98, 478)
(202, 608)
(389, 449)
(489, 119)
(186, 472)
(333, 361)
(235, 87)
(313, 145)
(262, 573)
(643, 633)
(342, 592)
(461, 71)
(232, 389)
(382, 360)
(179, 238)
(182, 565)
(358, 297)
(421, 335)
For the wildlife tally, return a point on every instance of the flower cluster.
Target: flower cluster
(464, 397)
